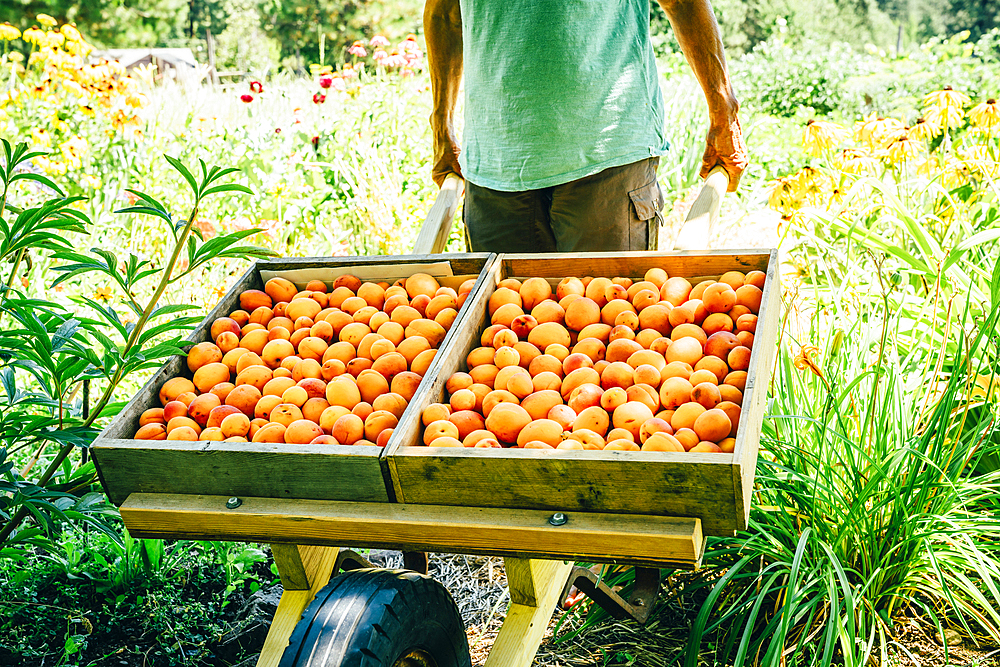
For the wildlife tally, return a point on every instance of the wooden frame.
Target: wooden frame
(320, 472)
(713, 487)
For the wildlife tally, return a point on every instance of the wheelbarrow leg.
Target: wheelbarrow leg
(535, 587)
(303, 571)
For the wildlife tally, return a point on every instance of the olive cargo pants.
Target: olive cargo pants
(617, 209)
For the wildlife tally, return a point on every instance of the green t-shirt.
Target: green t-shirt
(556, 90)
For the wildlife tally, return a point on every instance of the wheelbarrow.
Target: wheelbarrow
(312, 504)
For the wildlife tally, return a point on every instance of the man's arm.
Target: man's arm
(697, 32)
(443, 32)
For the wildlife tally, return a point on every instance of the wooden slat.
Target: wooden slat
(433, 236)
(534, 592)
(624, 538)
(316, 564)
(755, 396)
(696, 232)
(663, 484)
(241, 468)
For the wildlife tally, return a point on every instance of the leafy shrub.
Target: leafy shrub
(778, 78)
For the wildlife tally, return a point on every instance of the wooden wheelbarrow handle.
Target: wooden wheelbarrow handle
(696, 232)
(433, 236)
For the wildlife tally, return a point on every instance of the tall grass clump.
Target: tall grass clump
(875, 494)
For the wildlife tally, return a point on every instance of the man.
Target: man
(564, 117)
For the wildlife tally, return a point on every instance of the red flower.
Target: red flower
(319, 98)
(315, 142)
(246, 98)
(325, 81)
(277, 130)
(256, 87)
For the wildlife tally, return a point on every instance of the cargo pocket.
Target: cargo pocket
(647, 205)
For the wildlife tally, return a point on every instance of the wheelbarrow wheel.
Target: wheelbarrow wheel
(380, 618)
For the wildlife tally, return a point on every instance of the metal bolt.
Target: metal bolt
(233, 503)
(639, 602)
(558, 519)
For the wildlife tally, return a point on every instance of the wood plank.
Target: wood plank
(592, 537)
(433, 235)
(696, 232)
(526, 622)
(321, 472)
(292, 571)
(317, 564)
(672, 484)
(755, 396)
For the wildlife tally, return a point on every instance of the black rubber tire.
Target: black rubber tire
(373, 618)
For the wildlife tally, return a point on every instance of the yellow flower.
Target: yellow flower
(986, 116)
(90, 181)
(978, 158)
(783, 196)
(103, 293)
(46, 20)
(925, 129)
(9, 33)
(820, 136)
(34, 36)
(71, 33)
(40, 137)
(874, 129)
(902, 147)
(947, 97)
(15, 57)
(87, 110)
(856, 161)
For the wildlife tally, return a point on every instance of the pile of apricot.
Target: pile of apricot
(315, 366)
(656, 364)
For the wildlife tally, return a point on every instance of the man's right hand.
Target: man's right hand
(446, 151)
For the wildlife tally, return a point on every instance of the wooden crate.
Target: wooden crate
(713, 487)
(314, 472)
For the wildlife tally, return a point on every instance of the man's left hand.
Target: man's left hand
(725, 146)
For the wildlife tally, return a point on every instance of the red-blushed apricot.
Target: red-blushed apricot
(718, 298)
(224, 324)
(202, 354)
(579, 377)
(405, 384)
(653, 426)
(348, 429)
(174, 409)
(467, 421)
(217, 414)
(202, 406)
(584, 396)
(280, 289)
(545, 363)
(174, 387)
(569, 285)
(244, 398)
(720, 344)
(646, 374)
(252, 299)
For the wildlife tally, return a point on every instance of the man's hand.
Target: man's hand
(446, 151)
(725, 146)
